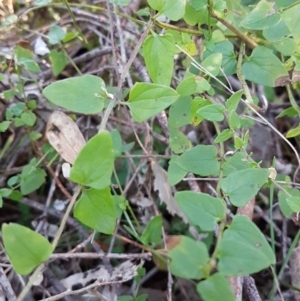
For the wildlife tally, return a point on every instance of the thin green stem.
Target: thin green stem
(40, 268)
(222, 153)
(74, 20)
(179, 29)
(123, 75)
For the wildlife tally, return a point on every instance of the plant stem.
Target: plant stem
(123, 75)
(54, 244)
(241, 35)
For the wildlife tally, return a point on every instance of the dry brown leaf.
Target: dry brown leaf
(64, 135)
(165, 194)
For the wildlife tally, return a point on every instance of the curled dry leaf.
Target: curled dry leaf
(64, 135)
(165, 194)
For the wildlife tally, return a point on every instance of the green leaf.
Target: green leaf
(17, 109)
(293, 132)
(29, 118)
(213, 63)
(193, 17)
(16, 195)
(4, 125)
(261, 17)
(96, 209)
(58, 61)
(117, 142)
(282, 200)
(175, 173)
(178, 141)
(286, 46)
(179, 112)
(242, 185)
(215, 288)
(201, 209)
(25, 248)
(214, 112)
(32, 178)
(84, 94)
(244, 249)
(197, 103)
(277, 32)
(174, 10)
(56, 34)
(159, 57)
(223, 136)
(201, 160)
(290, 112)
(291, 17)
(233, 101)
(263, 67)
(294, 203)
(152, 232)
(188, 258)
(95, 162)
(147, 100)
(193, 84)
(229, 62)
(237, 161)
(24, 57)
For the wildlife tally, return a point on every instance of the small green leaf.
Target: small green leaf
(282, 200)
(234, 121)
(213, 63)
(159, 57)
(293, 132)
(32, 178)
(4, 125)
(192, 85)
(56, 34)
(175, 173)
(95, 162)
(261, 17)
(58, 61)
(244, 249)
(201, 160)
(188, 258)
(174, 10)
(294, 203)
(242, 185)
(179, 112)
(24, 57)
(238, 142)
(290, 112)
(215, 288)
(237, 161)
(178, 141)
(286, 46)
(291, 17)
(152, 232)
(229, 61)
(223, 136)
(263, 67)
(233, 101)
(25, 248)
(96, 209)
(17, 109)
(201, 209)
(16, 195)
(277, 32)
(33, 136)
(29, 118)
(147, 100)
(212, 112)
(84, 94)
(197, 103)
